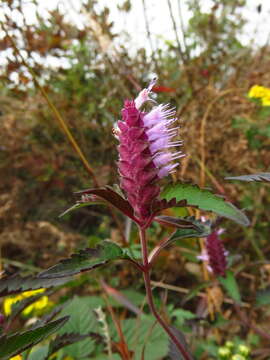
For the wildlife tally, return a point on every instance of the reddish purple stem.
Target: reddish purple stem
(147, 283)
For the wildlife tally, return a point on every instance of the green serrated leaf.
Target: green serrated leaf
(81, 321)
(204, 200)
(17, 343)
(85, 260)
(16, 284)
(230, 285)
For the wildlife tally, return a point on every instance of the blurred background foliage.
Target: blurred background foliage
(87, 72)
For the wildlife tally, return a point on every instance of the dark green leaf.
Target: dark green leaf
(231, 286)
(15, 344)
(85, 260)
(204, 200)
(179, 222)
(16, 284)
(264, 177)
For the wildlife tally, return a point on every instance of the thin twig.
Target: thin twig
(149, 33)
(179, 47)
(186, 291)
(183, 29)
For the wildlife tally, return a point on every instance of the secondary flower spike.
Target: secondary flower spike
(216, 254)
(144, 151)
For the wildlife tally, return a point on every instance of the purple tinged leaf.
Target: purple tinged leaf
(113, 198)
(183, 223)
(85, 260)
(188, 227)
(86, 200)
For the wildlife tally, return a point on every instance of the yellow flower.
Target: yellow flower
(32, 292)
(229, 344)
(260, 92)
(243, 349)
(17, 357)
(38, 305)
(224, 352)
(238, 357)
(9, 302)
(266, 100)
(257, 91)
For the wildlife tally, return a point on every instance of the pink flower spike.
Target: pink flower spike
(144, 157)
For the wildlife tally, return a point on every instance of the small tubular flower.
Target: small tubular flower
(144, 151)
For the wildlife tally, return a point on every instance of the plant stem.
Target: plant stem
(147, 283)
